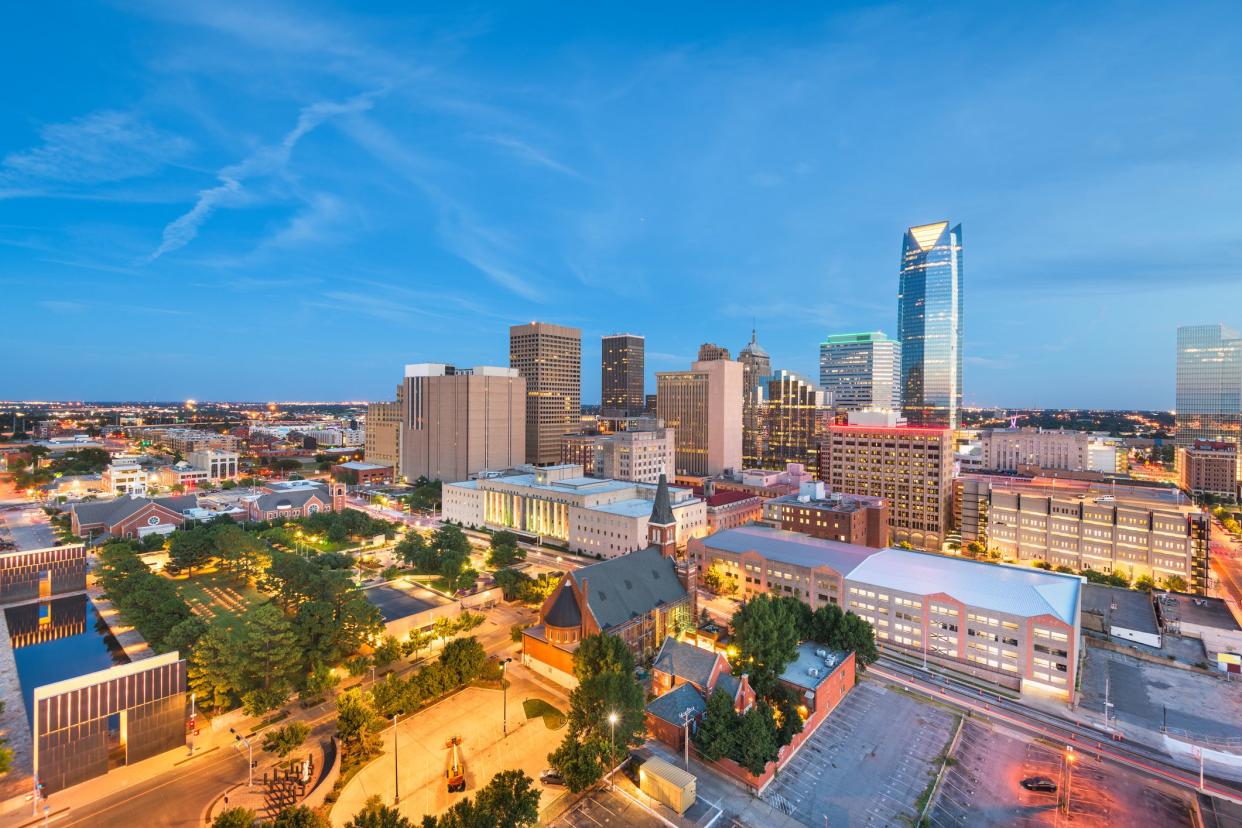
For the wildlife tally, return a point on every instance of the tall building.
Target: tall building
(929, 324)
(1209, 468)
(460, 421)
(861, 370)
(1209, 384)
(756, 364)
(709, 350)
(638, 456)
(911, 468)
(382, 442)
(549, 358)
(793, 415)
(622, 372)
(704, 406)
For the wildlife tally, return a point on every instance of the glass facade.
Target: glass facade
(794, 415)
(622, 367)
(1209, 384)
(756, 364)
(861, 371)
(929, 324)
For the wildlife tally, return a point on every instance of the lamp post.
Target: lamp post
(396, 793)
(1070, 758)
(612, 726)
(239, 740)
(504, 697)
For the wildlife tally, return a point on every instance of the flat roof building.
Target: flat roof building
(815, 511)
(622, 373)
(704, 407)
(861, 370)
(549, 358)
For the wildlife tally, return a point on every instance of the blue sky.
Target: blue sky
(249, 201)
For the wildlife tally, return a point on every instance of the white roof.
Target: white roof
(1014, 590)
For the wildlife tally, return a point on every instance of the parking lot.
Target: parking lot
(868, 763)
(981, 787)
(27, 528)
(607, 808)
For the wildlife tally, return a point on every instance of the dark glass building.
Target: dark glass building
(929, 324)
(622, 366)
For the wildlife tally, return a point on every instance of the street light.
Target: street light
(504, 697)
(396, 793)
(239, 739)
(1070, 758)
(612, 724)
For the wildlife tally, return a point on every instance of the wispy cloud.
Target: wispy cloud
(64, 307)
(530, 154)
(101, 147)
(268, 160)
(378, 306)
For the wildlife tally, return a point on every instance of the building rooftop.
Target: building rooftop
(677, 658)
(629, 586)
(354, 465)
(672, 704)
(1121, 607)
(1195, 609)
(810, 669)
(790, 547)
(836, 502)
(1015, 590)
(724, 498)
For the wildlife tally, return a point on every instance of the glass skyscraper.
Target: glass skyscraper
(861, 370)
(1209, 384)
(929, 324)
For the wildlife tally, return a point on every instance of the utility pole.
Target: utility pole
(504, 697)
(1069, 776)
(687, 716)
(238, 741)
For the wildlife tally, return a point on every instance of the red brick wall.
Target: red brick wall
(545, 652)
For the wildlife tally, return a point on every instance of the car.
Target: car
(551, 777)
(1042, 784)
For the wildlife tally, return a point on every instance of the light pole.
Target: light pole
(396, 792)
(1070, 758)
(504, 697)
(239, 739)
(612, 725)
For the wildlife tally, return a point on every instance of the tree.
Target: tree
(1144, 583)
(234, 818)
(375, 814)
(191, 548)
(388, 651)
(579, 763)
(509, 800)
(462, 660)
(1175, 583)
(716, 737)
(714, 579)
(270, 646)
(765, 632)
(298, 816)
(284, 740)
(504, 550)
(414, 550)
(757, 738)
(602, 653)
(358, 727)
(789, 718)
(976, 549)
(416, 642)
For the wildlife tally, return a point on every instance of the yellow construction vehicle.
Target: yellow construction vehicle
(455, 773)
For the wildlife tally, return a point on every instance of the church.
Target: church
(641, 598)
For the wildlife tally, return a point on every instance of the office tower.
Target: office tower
(549, 358)
(382, 442)
(911, 468)
(708, 351)
(639, 456)
(929, 324)
(704, 406)
(1209, 384)
(793, 414)
(650, 405)
(756, 364)
(621, 373)
(456, 422)
(861, 370)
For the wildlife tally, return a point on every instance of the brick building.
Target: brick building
(857, 519)
(130, 517)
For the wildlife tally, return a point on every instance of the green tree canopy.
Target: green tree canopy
(375, 814)
(766, 634)
(716, 737)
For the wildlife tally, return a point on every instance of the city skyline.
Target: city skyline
(393, 185)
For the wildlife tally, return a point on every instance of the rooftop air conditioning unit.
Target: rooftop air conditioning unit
(821, 652)
(813, 672)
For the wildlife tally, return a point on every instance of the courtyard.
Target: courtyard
(212, 592)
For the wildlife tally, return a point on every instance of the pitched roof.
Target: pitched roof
(112, 512)
(662, 510)
(564, 611)
(629, 586)
(728, 683)
(677, 658)
(289, 499)
(672, 704)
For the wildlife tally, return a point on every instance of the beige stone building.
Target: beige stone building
(910, 468)
(383, 433)
(1005, 449)
(549, 358)
(458, 422)
(638, 456)
(704, 407)
(1209, 467)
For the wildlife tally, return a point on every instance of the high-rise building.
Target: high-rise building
(793, 414)
(929, 324)
(638, 456)
(1209, 384)
(861, 370)
(709, 351)
(549, 358)
(457, 422)
(382, 441)
(621, 373)
(704, 406)
(1209, 468)
(756, 364)
(911, 468)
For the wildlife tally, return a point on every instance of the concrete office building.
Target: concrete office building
(909, 468)
(710, 350)
(704, 407)
(756, 364)
(1209, 467)
(549, 358)
(815, 511)
(792, 415)
(456, 422)
(929, 324)
(383, 433)
(591, 515)
(1131, 530)
(1017, 627)
(637, 456)
(1209, 384)
(861, 370)
(622, 373)
(1005, 449)
(218, 463)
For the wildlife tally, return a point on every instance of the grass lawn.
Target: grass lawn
(212, 592)
(552, 718)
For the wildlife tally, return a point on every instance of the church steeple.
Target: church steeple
(662, 526)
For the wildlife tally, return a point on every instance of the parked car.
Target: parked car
(1041, 784)
(551, 777)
